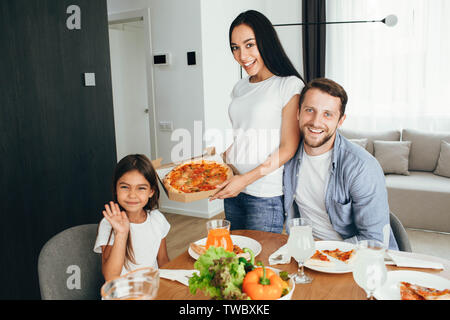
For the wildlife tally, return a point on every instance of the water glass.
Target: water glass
(141, 284)
(300, 246)
(369, 269)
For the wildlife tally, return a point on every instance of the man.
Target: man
(338, 185)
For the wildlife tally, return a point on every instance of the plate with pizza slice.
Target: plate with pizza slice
(239, 242)
(332, 257)
(413, 285)
(196, 176)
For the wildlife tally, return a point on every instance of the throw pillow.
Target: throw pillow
(360, 142)
(393, 156)
(425, 148)
(371, 136)
(443, 166)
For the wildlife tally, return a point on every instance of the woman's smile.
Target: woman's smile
(247, 66)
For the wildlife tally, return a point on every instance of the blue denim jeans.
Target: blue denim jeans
(255, 213)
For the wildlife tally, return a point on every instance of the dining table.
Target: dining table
(325, 286)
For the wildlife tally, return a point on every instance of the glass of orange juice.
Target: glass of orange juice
(219, 234)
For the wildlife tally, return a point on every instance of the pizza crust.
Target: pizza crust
(321, 263)
(316, 261)
(337, 253)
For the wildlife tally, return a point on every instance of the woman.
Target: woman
(266, 134)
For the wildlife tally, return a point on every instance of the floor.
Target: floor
(185, 229)
(432, 243)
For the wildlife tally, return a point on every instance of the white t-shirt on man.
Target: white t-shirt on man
(256, 116)
(146, 239)
(310, 194)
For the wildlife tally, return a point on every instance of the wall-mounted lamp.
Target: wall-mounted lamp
(391, 20)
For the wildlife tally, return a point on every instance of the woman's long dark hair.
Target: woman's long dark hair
(269, 45)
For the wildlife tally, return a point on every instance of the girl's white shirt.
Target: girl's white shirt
(146, 239)
(256, 117)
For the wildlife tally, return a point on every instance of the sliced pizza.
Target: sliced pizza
(198, 248)
(320, 260)
(196, 176)
(409, 291)
(343, 256)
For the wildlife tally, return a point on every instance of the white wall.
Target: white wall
(178, 88)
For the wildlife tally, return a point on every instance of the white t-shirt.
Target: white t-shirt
(256, 116)
(310, 194)
(146, 239)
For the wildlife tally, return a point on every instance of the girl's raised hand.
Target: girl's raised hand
(118, 219)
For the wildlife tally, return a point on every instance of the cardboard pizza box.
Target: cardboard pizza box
(163, 169)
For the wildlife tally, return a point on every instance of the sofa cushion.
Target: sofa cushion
(389, 135)
(420, 200)
(360, 142)
(393, 156)
(443, 166)
(425, 148)
(419, 181)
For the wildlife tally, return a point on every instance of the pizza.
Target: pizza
(320, 260)
(344, 256)
(196, 176)
(409, 291)
(198, 248)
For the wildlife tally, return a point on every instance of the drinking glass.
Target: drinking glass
(219, 234)
(141, 284)
(300, 246)
(369, 269)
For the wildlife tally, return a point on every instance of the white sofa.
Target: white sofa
(417, 174)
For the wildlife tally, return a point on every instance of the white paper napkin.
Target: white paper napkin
(281, 256)
(179, 275)
(402, 260)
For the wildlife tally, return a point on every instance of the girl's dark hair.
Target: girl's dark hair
(144, 166)
(269, 45)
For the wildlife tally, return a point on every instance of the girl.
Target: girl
(133, 232)
(264, 104)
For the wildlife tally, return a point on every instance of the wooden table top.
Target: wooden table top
(325, 286)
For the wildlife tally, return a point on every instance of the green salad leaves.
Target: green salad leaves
(221, 275)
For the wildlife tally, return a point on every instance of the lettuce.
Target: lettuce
(220, 275)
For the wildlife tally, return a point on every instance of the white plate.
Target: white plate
(391, 288)
(241, 241)
(339, 266)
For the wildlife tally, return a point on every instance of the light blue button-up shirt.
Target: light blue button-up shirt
(356, 197)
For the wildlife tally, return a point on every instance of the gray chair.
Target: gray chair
(400, 233)
(68, 268)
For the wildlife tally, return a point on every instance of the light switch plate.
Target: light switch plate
(166, 126)
(89, 79)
